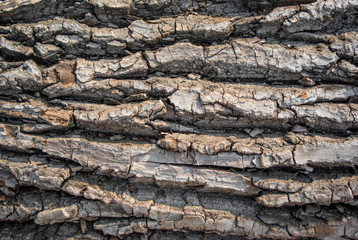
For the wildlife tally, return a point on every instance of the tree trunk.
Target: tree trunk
(178, 119)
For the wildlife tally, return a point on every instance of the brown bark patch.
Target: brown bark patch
(324, 230)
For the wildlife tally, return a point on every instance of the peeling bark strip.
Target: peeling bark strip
(179, 119)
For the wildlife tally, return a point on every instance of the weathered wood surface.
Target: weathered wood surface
(178, 119)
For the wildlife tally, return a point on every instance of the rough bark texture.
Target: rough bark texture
(178, 119)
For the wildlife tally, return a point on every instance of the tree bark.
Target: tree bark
(178, 119)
